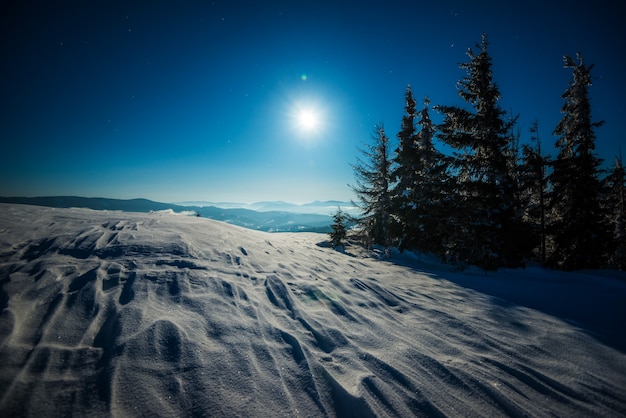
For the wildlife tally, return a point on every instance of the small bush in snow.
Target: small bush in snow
(339, 232)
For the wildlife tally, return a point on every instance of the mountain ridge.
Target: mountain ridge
(269, 221)
(322, 207)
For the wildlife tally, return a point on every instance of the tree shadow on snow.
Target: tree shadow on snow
(594, 301)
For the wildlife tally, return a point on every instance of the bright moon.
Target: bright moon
(308, 120)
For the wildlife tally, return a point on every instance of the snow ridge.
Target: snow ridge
(122, 314)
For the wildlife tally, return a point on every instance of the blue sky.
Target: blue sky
(197, 100)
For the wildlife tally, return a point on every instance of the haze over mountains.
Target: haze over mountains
(319, 207)
(262, 216)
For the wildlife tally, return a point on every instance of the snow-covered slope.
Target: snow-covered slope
(120, 314)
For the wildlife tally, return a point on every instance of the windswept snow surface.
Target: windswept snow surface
(126, 314)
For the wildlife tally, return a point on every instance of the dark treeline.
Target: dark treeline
(491, 202)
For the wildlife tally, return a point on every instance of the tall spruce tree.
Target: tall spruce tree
(372, 188)
(533, 185)
(420, 188)
(615, 202)
(433, 183)
(406, 153)
(578, 229)
(487, 219)
(407, 167)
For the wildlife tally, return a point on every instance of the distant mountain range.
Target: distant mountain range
(319, 207)
(263, 216)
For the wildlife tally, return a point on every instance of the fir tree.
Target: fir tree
(533, 184)
(433, 196)
(406, 153)
(486, 220)
(578, 230)
(615, 202)
(339, 232)
(373, 188)
(407, 165)
(419, 192)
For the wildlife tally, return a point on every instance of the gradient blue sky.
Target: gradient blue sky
(194, 100)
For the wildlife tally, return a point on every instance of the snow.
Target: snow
(126, 314)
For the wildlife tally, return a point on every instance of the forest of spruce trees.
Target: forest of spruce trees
(487, 201)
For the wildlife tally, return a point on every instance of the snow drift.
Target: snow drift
(122, 314)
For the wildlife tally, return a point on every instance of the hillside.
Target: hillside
(265, 220)
(126, 314)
